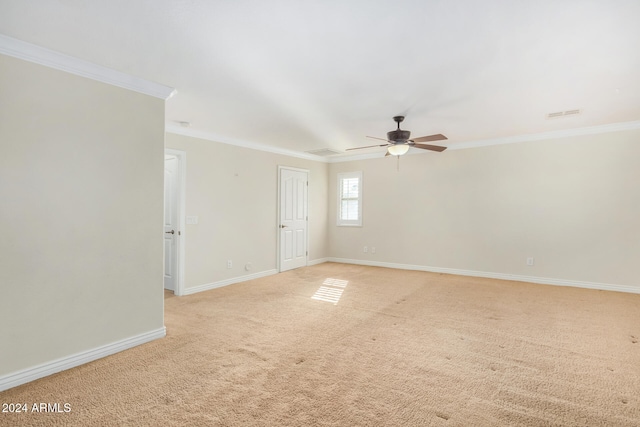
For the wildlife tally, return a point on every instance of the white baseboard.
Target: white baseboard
(30, 374)
(491, 275)
(221, 283)
(317, 261)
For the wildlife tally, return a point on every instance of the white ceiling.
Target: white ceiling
(303, 75)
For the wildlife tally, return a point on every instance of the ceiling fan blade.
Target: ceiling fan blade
(368, 146)
(430, 138)
(429, 147)
(381, 139)
(388, 153)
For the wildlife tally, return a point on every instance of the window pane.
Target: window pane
(349, 209)
(350, 199)
(350, 188)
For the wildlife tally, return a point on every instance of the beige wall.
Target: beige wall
(233, 191)
(81, 214)
(81, 211)
(573, 204)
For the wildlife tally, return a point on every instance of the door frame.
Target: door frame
(181, 175)
(278, 234)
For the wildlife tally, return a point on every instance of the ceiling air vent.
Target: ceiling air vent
(323, 152)
(563, 114)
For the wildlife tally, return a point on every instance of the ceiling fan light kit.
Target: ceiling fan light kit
(398, 149)
(398, 141)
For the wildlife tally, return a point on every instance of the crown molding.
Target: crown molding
(179, 130)
(590, 130)
(559, 134)
(59, 61)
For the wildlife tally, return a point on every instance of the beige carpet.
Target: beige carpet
(399, 348)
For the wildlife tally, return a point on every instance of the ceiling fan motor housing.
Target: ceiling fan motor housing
(398, 135)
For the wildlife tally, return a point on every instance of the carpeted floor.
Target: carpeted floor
(398, 348)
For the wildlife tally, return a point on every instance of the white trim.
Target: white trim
(558, 134)
(31, 374)
(317, 261)
(491, 275)
(227, 282)
(591, 130)
(278, 242)
(181, 243)
(175, 128)
(291, 168)
(50, 58)
(349, 222)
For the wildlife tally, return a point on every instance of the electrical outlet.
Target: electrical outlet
(365, 250)
(229, 264)
(373, 249)
(530, 261)
(247, 266)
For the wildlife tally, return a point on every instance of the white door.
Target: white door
(293, 218)
(170, 222)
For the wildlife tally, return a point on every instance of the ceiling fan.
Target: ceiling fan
(398, 141)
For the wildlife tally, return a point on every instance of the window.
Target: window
(350, 198)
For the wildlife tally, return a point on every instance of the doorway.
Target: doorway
(293, 219)
(174, 220)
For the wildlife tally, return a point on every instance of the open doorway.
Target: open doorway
(174, 220)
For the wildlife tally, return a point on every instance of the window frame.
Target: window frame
(349, 222)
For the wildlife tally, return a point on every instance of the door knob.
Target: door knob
(170, 232)
(283, 226)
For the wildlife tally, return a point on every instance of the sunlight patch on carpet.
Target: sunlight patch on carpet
(331, 290)
(338, 283)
